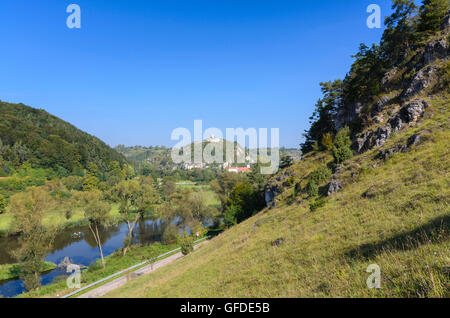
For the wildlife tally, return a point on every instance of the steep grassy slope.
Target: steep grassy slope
(46, 141)
(393, 213)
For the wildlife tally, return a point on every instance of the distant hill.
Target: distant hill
(160, 157)
(29, 134)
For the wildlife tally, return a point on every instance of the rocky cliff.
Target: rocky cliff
(408, 91)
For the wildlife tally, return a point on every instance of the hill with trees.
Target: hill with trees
(156, 161)
(29, 135)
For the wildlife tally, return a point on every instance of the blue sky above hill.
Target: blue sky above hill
(136, 70)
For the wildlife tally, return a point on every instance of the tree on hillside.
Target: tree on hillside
(90, 183)
(432, 14)
(364, 77)
(322, 119)
(327, 141)
(341, 146)
(96, 212)
(242, 203)
(3, 204)
(399, 36)
(28, 209)
(115, 173)
(286, 161)
(19, 154)
(257, 179)
(223, 185)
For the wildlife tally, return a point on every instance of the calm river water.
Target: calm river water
(81, 250)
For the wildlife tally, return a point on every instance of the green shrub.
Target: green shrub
(321, 175)
(327, 141)
(187, 245)
(230, 215)
(3, 204)
(341, 146)
(317, 204)
(95, 266)
(242, 203)
(290, 181)
(316, 178)
(286, 161)
(297, 188)
(90, 183)
(312, 189)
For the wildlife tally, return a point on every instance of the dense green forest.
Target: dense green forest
(45, 141)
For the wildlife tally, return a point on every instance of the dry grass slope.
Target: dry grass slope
(402, 224)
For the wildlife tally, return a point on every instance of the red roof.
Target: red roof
(239, 169)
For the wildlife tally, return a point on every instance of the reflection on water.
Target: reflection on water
(82, 250)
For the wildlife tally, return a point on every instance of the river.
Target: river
(82, 250)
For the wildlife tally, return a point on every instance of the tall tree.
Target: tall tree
(96, 212)
(399, 35)
(135, 198)
(365, 75)
(322, 119)
(242, 203)
(432, 14)
(28, 209)
(223, 186)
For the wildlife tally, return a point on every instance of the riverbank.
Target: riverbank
(57, 217)
(114, 263)
(11, 271)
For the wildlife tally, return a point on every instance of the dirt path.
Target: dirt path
(106, 288)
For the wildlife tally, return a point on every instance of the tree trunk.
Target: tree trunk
(97, 240)
(130, 235)
(100, 246)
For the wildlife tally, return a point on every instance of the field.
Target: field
(392, 213)
(54, 218)
(208, 194)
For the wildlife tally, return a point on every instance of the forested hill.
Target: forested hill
(35, 136)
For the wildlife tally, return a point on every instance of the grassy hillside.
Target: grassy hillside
(393, 213)
(33, 135)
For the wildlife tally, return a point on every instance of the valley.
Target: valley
(360, 209)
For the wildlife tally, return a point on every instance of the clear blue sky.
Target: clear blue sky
(138, 69)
